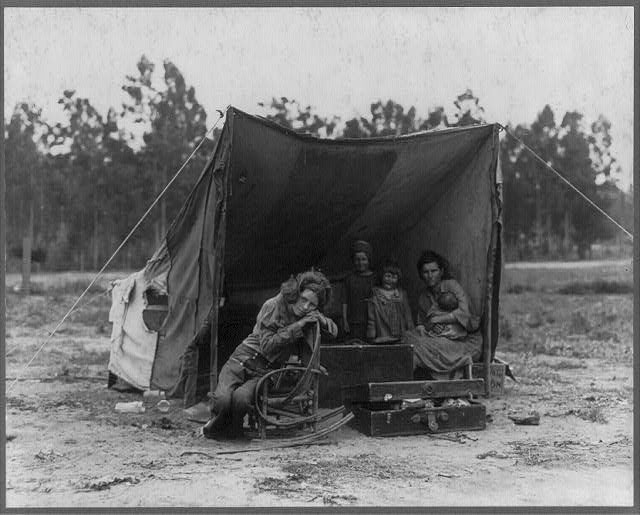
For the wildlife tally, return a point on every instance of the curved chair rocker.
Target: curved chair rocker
(287, 398)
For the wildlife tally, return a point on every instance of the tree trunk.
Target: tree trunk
(26, 254)
(163, 207)
(156, 230)
(538, 221)
(95, 239)
(548, 236)
(566, 239)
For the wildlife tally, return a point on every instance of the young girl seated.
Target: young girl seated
(389, 314)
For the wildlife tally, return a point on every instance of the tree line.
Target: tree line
(76, 188)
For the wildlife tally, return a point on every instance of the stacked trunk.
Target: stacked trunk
(416, 407)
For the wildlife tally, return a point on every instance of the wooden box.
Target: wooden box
(496, 376)
(412, 421)
(349, 365)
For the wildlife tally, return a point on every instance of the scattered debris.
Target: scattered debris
(592, 414)
(532, 419)
(625, 440)
(566, 443)
(163, 423)
(153, 394)
(130, 407)
(49, 455)
(492, 454)
(163, 406)
(108, 482)
(331, 499)
(453, 437)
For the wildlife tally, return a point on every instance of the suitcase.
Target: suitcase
(349, 365)
(399, 408)
(414, 421)
(391, 392)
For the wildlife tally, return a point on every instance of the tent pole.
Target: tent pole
(486, 342)
(3, 315)
(496, 258)
(486, 353)
(220, 181)
(218, 275)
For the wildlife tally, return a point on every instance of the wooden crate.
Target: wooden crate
(349, 365)
(496, 376)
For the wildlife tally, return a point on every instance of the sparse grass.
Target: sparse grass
(76, 287)
(65, 282)
(596, 326)
(597, 287)
(543, 278)
(592, 414)
(566, 364)
(519, 288)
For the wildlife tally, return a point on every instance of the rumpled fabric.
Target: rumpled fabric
(133, 345)
(444, 348)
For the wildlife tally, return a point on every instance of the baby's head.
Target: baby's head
(447, 301)
(361, 256)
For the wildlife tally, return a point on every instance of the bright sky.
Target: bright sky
(338, 60)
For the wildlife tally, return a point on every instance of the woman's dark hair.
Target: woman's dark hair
(429, 256)
(392, 266)
(312, 280)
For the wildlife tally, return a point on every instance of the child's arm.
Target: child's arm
(371, 320)
(345, 321)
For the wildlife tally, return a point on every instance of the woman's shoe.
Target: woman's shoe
(212, 429)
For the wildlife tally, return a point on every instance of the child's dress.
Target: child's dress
(389, 315)
(357, 289)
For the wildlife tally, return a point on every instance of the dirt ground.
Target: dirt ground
(572, 355)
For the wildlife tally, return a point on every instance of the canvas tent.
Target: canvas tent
(271, 202)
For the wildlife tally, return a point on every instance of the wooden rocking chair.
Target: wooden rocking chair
(287, 398)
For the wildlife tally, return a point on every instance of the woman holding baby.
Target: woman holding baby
(446, 337)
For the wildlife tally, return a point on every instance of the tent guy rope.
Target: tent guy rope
(126, 239)
(598, 208)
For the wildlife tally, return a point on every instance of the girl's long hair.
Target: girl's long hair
(312, 280)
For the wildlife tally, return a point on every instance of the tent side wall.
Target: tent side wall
(193, 265)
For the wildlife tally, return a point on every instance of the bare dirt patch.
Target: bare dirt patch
(66, 446)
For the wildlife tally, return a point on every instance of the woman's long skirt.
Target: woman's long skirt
(442, 355)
